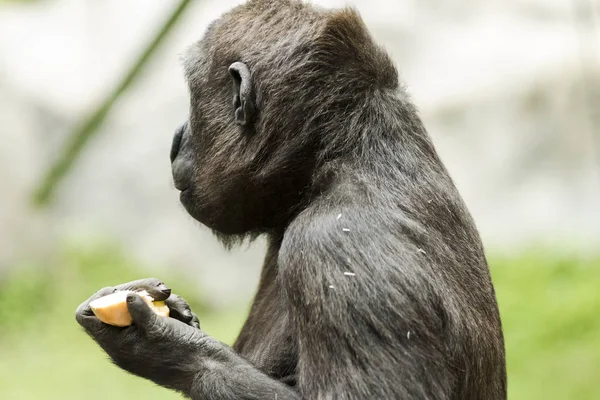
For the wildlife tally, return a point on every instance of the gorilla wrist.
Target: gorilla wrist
(222, 374)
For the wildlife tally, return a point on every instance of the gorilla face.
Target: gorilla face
(207, 155)
(210, 167)
(267, 94)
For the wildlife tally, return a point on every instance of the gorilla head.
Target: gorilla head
(268, 84)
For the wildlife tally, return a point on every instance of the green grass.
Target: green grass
(550, 308)
(551, 314)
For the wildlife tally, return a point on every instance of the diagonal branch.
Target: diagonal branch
(89, 127)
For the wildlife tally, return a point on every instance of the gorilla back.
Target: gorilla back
(375, 284)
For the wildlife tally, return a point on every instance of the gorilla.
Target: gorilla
(375, 284)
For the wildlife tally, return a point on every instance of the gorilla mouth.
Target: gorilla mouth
(181, 175)
(182, 192)
(181, 187)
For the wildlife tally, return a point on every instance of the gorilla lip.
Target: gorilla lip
(178, 178)
(180, 184)
(180, 175)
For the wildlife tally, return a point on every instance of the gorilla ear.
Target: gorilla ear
(243, 95)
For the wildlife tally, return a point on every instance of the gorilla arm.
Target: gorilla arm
(360, 313)
(367, 320)
(226, 375)
(363, 314)
(174, 352)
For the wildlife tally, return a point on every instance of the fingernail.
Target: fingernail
(187, 313)
(164, 289)
(130, 298)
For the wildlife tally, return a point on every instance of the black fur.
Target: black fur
(375, 284)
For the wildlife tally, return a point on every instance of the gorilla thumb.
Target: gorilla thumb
(143, 317)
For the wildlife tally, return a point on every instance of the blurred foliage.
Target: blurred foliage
(549, 307)
(550, 310)
(44, 353)
(41, 293)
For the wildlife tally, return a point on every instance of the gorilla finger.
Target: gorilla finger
(179, 308)
(93, 325)
(143, 317)
(155, 288)
(195, 322)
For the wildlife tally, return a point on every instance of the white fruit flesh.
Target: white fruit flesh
(112, 309)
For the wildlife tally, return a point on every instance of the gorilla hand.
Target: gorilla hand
(167, 351)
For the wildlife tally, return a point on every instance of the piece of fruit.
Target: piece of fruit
(112, 309)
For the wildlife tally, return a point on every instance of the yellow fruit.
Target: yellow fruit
(160, 308)
(112, 309)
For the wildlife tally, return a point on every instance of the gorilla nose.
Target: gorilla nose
(177, 139)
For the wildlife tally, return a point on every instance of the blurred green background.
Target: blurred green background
(92, 90)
